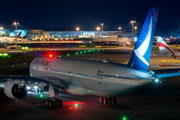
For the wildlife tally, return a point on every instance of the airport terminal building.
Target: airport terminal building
(42, 35)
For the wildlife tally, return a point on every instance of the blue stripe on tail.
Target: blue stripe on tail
(142, 50)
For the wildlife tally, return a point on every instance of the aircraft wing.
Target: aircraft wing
(118, 76)
(48, 80)
(167, 73)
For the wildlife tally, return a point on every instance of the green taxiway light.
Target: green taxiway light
(90, 50)
(68, 54)
(124, 118)
(93, 50)
(5, 54)
(76, 53)
(103, 49)
(12, 65)
(0, 54)
(84, 51)
(88, 90)
(59, 56)
(41, 95)
(76, 105)
(98, 50)
(81, 52)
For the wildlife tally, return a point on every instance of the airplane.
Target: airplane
(165, 50)
(89, 77)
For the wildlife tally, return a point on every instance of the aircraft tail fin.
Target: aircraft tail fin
(163, 46)
(25, 37)
(142, 50)
(19, 35)
(5, 34)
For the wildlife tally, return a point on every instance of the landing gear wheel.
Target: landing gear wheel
(51, 103)
(37, 91)
(47, 102)
(60, 103)
(40, 91)
(114, 100)
(105, 100)
(101, 99)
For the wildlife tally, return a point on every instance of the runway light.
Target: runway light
(76, 105)
(41, 95)
(124, 118)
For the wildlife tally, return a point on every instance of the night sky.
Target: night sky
(86, 13)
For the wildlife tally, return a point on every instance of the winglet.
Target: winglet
(142, 50)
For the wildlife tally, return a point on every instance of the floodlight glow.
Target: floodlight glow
(28, 88)
(35, 87)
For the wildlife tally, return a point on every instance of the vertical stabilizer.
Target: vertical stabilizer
(142, 50)
(5, 34)
(163, 46)
(19, 35)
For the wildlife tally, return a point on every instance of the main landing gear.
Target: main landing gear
(53, 100)
(107, 100)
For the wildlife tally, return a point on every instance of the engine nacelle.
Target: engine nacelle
(13, 90)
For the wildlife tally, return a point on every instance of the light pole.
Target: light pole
(16, 24)
(132, 22)
(135, 28)
(98, 28)
(102, 30)
(77, 28)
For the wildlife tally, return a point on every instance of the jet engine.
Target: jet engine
(15, 89)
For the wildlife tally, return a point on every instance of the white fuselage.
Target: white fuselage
(81, 79)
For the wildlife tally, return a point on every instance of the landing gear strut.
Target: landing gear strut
(106, 100)
(53, 100)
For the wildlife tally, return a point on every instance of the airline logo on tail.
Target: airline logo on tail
(144, 46)
(142, 51)
(5, 34)
(163, 47)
